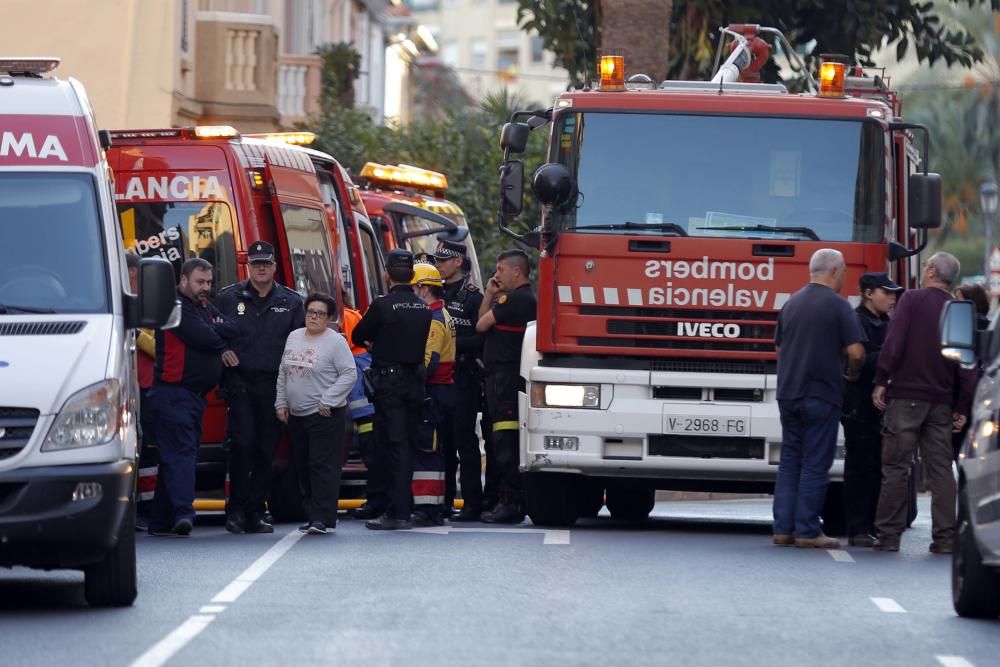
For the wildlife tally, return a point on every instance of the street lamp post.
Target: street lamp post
(988, 195)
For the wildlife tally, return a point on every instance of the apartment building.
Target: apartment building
(246, 63)
(480, 40)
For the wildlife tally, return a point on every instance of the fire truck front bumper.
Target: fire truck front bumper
(631, 434)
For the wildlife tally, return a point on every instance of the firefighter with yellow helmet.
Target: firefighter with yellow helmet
(439, 360)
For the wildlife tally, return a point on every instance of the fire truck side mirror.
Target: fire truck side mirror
(514, 137)
(924, 201)
(553, 185)
(512, 187)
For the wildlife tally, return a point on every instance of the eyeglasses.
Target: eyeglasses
(317, 313)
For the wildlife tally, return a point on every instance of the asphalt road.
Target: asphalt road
(699, 584)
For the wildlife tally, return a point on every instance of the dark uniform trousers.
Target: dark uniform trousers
(376, 490)
(502, 385)
(399, 396)
(457, 435)
(318, 455)
(862, 472)
(177, 413)
(254, 432)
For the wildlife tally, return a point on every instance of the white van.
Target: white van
(68, 394)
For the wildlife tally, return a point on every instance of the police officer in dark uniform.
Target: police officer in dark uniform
(395, 328)
(508, 306)
(265, 312)
(458, 433)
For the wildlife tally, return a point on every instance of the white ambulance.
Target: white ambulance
(68, 394)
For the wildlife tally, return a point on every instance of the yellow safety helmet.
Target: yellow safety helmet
(426, 274)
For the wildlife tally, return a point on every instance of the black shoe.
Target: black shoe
(141, 523)
(862, 540)
(161, 532)
(236, 522)
(317, 528)
(364, 513)
(258, 525)
(424, 518)
(386, 522)
(505, 513)
(448, 511)
(466, 515)
(304, 528)
(183, 527)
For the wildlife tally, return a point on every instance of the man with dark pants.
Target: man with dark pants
(395, 328)
(816, 327)
(507, 307)
(458, 432)
(860, 418)
(188, 366)
(925, 398)
(265, 312)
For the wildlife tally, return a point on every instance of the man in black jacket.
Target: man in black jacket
(264, 312)
(859, 416)
(188, 366)
(458, 433)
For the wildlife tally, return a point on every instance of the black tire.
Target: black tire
(285, 503)
(630, 501)
(550, 498)
(834, 515)
(113, 581)
(975, 588)
(589, 497)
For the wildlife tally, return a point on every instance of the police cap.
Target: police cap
(878, 279)
(261, 251)
(450, 250)
(399, 259)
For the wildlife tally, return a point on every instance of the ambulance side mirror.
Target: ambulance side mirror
(156, 305)
(958, 333)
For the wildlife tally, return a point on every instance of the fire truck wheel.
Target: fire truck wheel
(834, 514)
(630, 501)
(550, 498)
(285, 503)
(112, 582)
(589, 497)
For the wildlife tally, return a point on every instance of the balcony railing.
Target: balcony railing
(298, 87)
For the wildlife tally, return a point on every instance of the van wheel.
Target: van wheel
(630, 501)
(834, 515)
(589, 497)
(113, 581)
(975, 588)
(550, 498)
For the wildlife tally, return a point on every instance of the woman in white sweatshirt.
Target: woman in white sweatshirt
(316, 375)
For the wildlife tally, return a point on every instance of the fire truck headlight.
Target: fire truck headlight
(90, 417)
(545, 395)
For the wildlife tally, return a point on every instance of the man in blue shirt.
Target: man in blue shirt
(816, 328)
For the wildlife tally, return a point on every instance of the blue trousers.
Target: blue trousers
(177, 413)
(808, 444)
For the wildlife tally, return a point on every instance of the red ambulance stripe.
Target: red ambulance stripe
(46, 140)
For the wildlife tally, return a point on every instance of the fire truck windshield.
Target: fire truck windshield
(178, 231)
(735, 176)
(51, 245)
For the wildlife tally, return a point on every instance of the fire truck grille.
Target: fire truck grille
(16, 426)
(736, 366)
(706, 447)
(714, 344)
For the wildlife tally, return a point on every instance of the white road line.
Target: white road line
(238, 585)
(888, 605)
(953, 661)
(840, 555)
(212, 609)
(550, 536)
(174, 642)
(167, 647)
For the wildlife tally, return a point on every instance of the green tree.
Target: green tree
(341, 66)
(571, 30)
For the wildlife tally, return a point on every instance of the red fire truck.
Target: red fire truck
(208, 192)
(678, 218)
(408, 207)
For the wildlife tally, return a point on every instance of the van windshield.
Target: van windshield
(52, 249)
